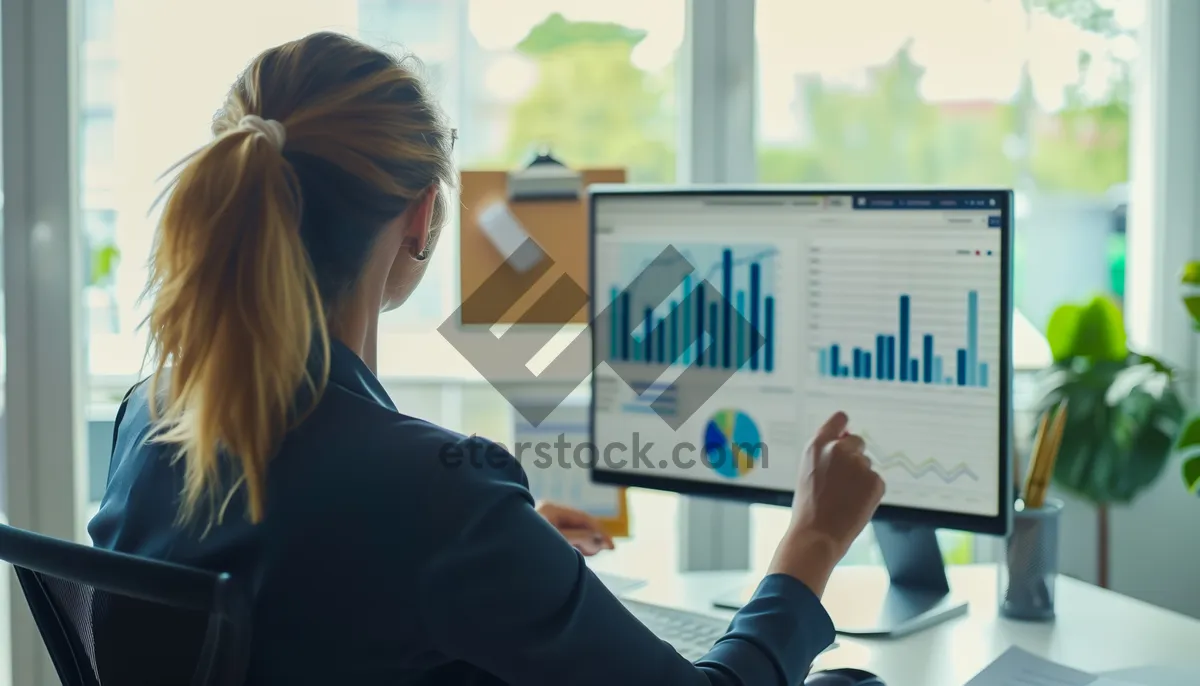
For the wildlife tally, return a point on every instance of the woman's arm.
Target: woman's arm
(509, 595)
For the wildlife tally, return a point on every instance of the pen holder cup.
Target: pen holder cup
(1030, 568)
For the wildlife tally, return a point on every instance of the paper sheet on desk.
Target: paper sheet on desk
(1017, 667)
(1151, 676)
(548, 454)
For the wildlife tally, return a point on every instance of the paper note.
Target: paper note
(556, 455)
(1151, 676)
(1017, 667)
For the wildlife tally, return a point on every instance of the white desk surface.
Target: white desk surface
(1096, 630)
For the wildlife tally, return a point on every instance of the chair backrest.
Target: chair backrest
(111, 618)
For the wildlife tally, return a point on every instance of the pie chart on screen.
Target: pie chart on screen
(732, 443)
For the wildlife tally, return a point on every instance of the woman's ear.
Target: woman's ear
(417, 233)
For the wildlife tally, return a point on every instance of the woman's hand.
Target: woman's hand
(836, 495)
(579, 528)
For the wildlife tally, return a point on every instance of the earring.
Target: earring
(421, 256)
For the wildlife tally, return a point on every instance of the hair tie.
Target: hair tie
(270, 129)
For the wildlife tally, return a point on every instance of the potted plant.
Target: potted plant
(1189, 439)
(1125, 411)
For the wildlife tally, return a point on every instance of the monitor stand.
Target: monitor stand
(910, 593)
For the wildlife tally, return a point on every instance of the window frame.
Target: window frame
(42, 290)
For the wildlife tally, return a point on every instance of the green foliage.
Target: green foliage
(1124, 411)
(104, 262)
(960, 551)
(1094, 332)
(1189, 439)
(592, 106)
(887, 133)
(1087, 14)
(556, 32)
(1190, 282)
(1189, 448)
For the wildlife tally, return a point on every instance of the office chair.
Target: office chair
(111, 618)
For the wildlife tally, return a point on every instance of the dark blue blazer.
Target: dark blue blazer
(394, 551)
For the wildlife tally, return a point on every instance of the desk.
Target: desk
(1096, 630)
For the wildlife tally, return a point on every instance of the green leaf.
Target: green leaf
(1122, 423)
(1101, 331)
(104, 261)
(1062, 330)
(1189, 438)
(1095, 331)
(1158, 364)
(1191, 474)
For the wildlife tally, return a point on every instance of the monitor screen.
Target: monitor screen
(727, 326)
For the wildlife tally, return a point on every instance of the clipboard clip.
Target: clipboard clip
(545, 178)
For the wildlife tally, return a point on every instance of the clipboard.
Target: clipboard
(549, 202)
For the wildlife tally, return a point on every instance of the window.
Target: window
(966, 92)
(594, 81)
(1028, 94)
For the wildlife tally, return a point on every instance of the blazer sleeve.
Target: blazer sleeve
(508, 594)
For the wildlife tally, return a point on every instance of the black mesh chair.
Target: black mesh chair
(110, 618)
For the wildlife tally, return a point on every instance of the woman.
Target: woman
(371, 560)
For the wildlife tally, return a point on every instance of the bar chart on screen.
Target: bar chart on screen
(724, 315)
(903, 316)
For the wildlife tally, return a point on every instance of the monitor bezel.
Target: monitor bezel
(998, 524)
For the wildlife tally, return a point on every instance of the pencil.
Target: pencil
(1039, 444)
(1044, 468)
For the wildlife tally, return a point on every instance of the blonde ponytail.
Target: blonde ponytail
(321, 143)
(236, 311)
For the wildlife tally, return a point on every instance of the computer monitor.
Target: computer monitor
(729, 323)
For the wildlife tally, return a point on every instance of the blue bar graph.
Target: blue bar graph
(754, 331)
(899, 357)
(891, 358)
(687, 320)
(615, 324)
(904, 314)
(727, 307)
(927, 358)
(673, 322)
(648, 336)
(972, 336)
(723, 316)
(880, 356)
(741, 332)
(626, 330)
(712, 326)
(768, 335)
